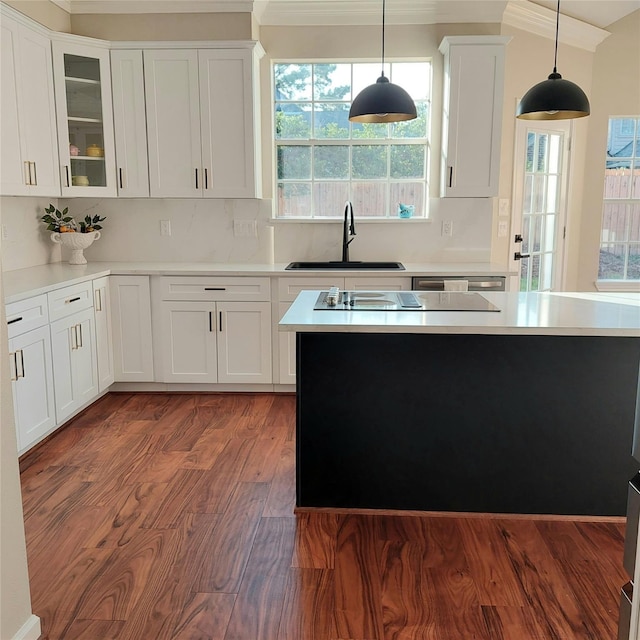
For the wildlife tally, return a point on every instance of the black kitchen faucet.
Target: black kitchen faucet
(347, 229)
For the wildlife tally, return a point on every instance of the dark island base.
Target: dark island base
(502, 424)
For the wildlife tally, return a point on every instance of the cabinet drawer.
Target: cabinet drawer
(68, 300)
(289, 288)
(215, 288)
(24, 315)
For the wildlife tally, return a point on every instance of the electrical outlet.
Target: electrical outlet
(165, 227)
(5, 232)
(245, 228)
(447, 228)
(503, 228)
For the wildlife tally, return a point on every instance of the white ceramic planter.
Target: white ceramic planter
(77, 243)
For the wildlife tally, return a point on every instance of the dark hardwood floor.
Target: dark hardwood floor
(154, 516)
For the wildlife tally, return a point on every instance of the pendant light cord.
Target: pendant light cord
(383, 12)
(555, 56)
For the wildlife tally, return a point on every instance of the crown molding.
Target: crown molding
(368, 12)
(542, 21)
(63, 4)
(156, 6)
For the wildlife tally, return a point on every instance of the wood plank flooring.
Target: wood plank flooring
(157, 516)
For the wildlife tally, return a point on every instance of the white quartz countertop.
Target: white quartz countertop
(22, 283)
(589, 314)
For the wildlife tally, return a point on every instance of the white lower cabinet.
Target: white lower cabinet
(104, 337)
(32, 386)
(75, 369)
(209, 342)
(131, 325)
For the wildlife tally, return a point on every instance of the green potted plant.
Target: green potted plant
(67, 232)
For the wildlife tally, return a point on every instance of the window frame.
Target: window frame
(628, 203)
(312, 142)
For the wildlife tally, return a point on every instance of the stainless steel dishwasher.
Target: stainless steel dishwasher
(476, 283)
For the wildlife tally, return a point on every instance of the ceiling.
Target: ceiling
(599, 13)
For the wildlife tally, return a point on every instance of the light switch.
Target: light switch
(165, 227)
(504, 206)
(503, 228)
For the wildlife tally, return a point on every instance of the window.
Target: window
(322, 159)
(620, 239)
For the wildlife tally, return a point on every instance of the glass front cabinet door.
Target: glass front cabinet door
(85, 121)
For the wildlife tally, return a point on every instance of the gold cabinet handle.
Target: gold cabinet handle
(14, 369)
(74, 337)
(21, 374)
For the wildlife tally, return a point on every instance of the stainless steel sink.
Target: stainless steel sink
(352, 264)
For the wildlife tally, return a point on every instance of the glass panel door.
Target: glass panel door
(83, 90)
(541, 162)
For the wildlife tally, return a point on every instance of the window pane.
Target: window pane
(531, 142)
(549, 232)
(633, 266)
(538, 193)
(329, 198)
(369, 161)
(635, 181)
(369, 130)
(294, 199)
(536, 228)
(416, 128)
(526, 234)
(292, 81)
(369, 198)
(293, 121)
(331, 120)
(414, 78)
(407, 193)
(617, 181)
(294, 162)
(541, 156)
(546, 267)
(331, 162)
(407, 161)
(611, 262)
(554, 153)
(621, 136)
(553, 192)
(614, 223)
(527, 197)
(634, 226)
(535, 273)
(332, 82)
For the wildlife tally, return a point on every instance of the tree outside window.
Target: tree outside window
(322, 159)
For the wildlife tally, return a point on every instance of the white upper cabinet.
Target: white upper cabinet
(472, 117)
(202, 122)
(129, 123)
(29, 153)
(173, 123)
(85, 118)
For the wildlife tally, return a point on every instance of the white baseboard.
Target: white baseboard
(30, 630)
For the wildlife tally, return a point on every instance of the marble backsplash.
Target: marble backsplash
(205, 231)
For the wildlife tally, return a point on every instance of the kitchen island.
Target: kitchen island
(527, 410)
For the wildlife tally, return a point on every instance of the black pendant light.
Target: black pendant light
(554, 98)
(382, 101)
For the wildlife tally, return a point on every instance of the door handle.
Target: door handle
(98, 300)
(210, 321)
(66, 171)
(518, 256)
(206, 178)
(74, 338)
(196, 178)
(27, 172)
(120, 176)
(220, 312)
(35, 175)
(21, 374)
(518, 238)
(14, 372)
(79, 326)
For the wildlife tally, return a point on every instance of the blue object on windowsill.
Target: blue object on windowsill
(406, 210)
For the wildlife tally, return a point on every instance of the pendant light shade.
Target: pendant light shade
(382, 101)
(554, 98)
